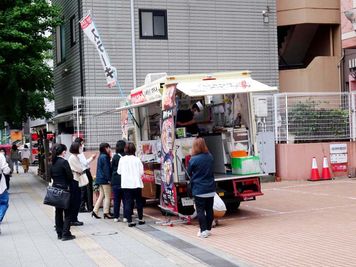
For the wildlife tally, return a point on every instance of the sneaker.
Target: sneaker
(208, 232)
(124, 220)
(116, 219)
(204, 234)
(140, 222)
(199, 233)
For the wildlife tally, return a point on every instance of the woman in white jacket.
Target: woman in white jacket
(4, 195)
(80, 180)
(131, 170)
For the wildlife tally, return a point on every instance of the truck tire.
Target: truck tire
(233, 206)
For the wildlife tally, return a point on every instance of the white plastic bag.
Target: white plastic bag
(219, 204)
(218, 207)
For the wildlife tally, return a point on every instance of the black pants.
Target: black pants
(7, 180)
(204, 206)
(131, 195)
(74, 200)
(87, 193)
(118, 196)
(63, 225)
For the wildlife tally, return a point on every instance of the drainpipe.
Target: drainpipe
(133, 44)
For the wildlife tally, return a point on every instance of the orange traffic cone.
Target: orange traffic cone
(314, 176)
(325, 173)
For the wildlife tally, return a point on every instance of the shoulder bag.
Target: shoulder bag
(57, 197)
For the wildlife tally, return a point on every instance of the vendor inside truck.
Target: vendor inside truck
(185, 118)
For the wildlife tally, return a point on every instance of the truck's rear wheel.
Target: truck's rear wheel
(233, 206)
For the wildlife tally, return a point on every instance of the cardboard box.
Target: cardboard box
(149, 190)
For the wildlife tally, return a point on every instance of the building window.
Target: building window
(153, 24)
(73, 37)
(60, 43)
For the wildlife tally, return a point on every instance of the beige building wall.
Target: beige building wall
(321, 72)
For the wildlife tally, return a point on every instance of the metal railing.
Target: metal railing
(95, 122)
(311, 117)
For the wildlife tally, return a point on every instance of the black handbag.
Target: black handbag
(57, 197)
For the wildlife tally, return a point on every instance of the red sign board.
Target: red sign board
(339, 167)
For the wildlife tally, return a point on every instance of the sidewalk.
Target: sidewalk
(28, 237)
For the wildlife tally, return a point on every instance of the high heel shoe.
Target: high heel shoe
(96, 216)
(107, 216)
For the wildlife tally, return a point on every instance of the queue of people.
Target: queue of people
(121, 174)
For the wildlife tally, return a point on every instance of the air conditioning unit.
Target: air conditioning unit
(151, 77)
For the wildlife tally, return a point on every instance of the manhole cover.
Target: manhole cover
(104, 233)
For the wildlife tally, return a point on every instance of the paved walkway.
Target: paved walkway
(28, 238)
(293, 224)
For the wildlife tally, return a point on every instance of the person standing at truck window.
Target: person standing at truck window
(203, 185)
(15, 156)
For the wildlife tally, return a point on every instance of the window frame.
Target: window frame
(73, 33)
(155, 13)
(60, 43)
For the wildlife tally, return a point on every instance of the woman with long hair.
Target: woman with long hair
(62, 177)
(103, 179)
(131, 170)
(75, 194)
(203, 185)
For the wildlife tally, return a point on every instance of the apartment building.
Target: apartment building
(309, 46)
(177, 37)
(348, 15)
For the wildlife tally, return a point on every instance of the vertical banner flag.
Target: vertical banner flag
(90, 30)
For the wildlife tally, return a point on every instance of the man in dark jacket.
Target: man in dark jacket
(116, 179)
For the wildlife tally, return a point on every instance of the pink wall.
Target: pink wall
(294, 160)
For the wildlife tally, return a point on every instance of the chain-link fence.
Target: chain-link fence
(293, 117)
(306, 117)
(95, 122)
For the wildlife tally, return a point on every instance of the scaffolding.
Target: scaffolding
(95, 121)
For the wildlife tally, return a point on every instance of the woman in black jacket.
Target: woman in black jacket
(62, 177)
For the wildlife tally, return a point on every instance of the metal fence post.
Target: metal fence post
(275, 118)
(287, 127)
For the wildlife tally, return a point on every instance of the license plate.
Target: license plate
(187, 201)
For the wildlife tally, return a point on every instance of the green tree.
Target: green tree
(25, 78)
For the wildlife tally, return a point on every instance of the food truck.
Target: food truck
(226, 120)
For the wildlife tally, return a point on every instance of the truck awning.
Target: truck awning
(138, 105)
(223, 86)
(115, 110)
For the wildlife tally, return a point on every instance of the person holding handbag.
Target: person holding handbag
(80, 179)
(103, 179)
(203, 185)
(62, 177)
(86, 204)
(4, 195)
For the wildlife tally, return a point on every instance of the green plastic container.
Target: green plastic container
(246, 165)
